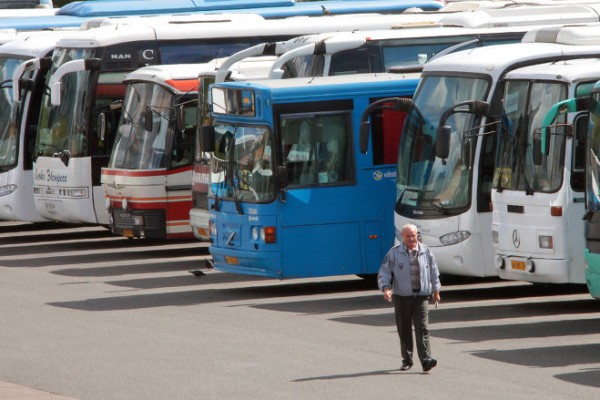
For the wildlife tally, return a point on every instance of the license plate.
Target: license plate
(517, 265)
(128, 233)
(232, 260)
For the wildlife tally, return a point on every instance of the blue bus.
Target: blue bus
(76, 13)
(290, 194)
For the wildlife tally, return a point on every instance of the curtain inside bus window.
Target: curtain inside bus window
(297, 140)
(385, 135)
(332, 148)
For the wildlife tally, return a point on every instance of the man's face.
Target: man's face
(409, 237)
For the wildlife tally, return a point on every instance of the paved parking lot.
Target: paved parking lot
(89, 316)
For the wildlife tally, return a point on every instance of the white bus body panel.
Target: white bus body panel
(518, 237)
(54, 185)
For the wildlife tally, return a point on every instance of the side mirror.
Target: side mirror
(537, 151)
(545, 141)
(179, 118)
(442, 142)
(148, 125)
(207, 138)
(101, 129)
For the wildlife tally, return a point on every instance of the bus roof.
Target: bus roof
(255, 68)
(178, 27)
(108, 7)
(572, 70)
(525, 15)
(323, 86)
(496, 60)
(32, 44)
(74, 14)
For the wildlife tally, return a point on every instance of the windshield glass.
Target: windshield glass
(525, 105)
(135, 146)
(423, 180)
(8, 114)
(241, 165)
(63, 128)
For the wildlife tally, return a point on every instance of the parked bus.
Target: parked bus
(87, 76)
(19, 112)
(159, 193)
(295, 199)
(538, 201)
(405, 47)
(360, 51)
(74, 14)
(447, 190)
(571, 115)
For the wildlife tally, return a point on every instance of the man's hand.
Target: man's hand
(387, 294)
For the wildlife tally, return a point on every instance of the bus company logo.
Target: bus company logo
(120, 57)
(147, 56)
(49, 176)
(516, 238)
(379, 175)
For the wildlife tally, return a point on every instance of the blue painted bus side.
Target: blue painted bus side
(321, 230)
(74, 14)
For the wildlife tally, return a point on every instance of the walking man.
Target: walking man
(409, 278)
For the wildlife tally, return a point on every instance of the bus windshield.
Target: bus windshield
(8, 111)
(136, 146)
(241, 166)
(525, 105)
(423, 181)
(62, 128)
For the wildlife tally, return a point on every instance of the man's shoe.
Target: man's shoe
(405, 366)
(429, 364)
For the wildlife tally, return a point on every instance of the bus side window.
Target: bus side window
(350, 62)
(332, 148)
(297, 143)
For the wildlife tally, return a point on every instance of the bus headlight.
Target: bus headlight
(124, 204)
(454, 237)
(495, 237)
(255, 232)
(8, 189)
(546, 242)
(500, 264)
(530, 265)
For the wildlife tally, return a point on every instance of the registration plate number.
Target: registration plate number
(517, 265)
(128, 233)
(232, 260)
